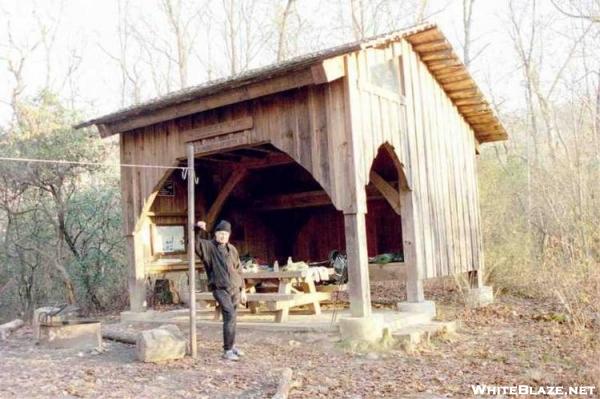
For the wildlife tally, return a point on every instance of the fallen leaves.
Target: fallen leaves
(501, 344)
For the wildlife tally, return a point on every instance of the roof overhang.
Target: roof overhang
(316, 68)
(445, 66)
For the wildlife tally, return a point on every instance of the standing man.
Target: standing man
(223, 269)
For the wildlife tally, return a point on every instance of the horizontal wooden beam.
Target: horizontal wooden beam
(425, 36)
(442, 64)
(274, 159)
(432, 45)
(302, 200)
(485, 134)
(270, 160)
(483, 118)
(469, 101)
(213, 159)
(467, 109)
(477, 113)
(245, 153)
(223, 143)
(104, 130)
(445, 54)
(260, 149)
(296, 200)
(328, 70)
(459, 85)
(463, 93)
(217, 129)
(453, 77)
(450, 71)
(485, 126)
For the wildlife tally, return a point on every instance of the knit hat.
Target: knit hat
(223, 225)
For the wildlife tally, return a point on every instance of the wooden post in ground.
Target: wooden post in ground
(410, 246)
(475, 278)
(137, 284)
(191, 176)
(358, 264)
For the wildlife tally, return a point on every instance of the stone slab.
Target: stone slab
(81, 335)
(368, 329)
(424, 307)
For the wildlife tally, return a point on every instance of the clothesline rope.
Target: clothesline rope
(62, 161)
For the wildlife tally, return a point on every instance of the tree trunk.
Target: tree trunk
(282, 43)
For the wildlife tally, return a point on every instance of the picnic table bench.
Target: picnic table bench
(295, 288)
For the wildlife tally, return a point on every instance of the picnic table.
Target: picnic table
(294, 288)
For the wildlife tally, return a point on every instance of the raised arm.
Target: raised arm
(202, 239)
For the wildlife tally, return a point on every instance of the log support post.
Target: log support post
(411, 247)
(358, 264)
(137, 276)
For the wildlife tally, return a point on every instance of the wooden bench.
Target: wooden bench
(295, 288)
(278, 303)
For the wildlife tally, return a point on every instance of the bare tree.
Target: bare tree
(231, 35)
(358, 19)
(421, 11)
(185, 30)
(282, 45)
(16, 58)
(467, 25)
(589, 9)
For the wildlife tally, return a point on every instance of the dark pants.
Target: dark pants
(228, 300)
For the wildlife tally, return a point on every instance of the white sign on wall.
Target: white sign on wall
(168, 239)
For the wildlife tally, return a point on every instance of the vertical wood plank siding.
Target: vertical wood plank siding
(437, 149)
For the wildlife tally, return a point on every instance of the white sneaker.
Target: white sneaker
(237, 351)
(230, 355)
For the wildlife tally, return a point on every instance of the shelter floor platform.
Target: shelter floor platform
(327, 321)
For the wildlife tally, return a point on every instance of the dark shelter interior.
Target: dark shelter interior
(277, 209)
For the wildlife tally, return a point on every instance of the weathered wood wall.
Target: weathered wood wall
(437, 149)
(306, 123)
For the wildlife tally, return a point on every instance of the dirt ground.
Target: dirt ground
(511, 342)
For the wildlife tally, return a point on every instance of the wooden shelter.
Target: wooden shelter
(368, 147)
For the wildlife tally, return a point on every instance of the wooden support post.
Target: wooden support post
(191, 176)
(312, 289)
(410, 245)
(358, 264)
(137, 284)
(285, 287)
(253, 305)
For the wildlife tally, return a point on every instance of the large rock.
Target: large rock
(160, 344)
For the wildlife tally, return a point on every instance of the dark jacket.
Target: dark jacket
(221, 262)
